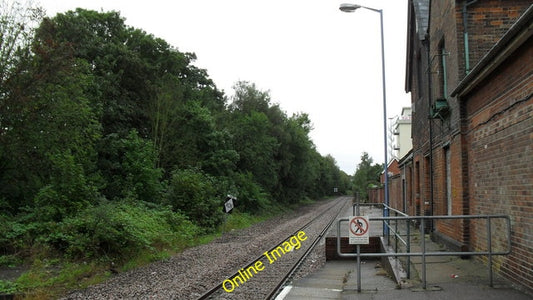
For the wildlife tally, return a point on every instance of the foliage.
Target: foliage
(112, 229)
(250, 196)
(8, 287)
(17, 23)
(256, 147)
(109, 229)
(366, 175)
(67, 192)
(194, 193)
(52, 127)
(128, 166)
(112, 143)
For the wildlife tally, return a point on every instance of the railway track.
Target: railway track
(265, 275)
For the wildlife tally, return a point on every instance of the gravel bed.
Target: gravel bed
(190, 273)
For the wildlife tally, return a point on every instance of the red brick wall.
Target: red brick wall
(487, 23)
(443, 32)
(421, 185)
(418, 87)
(375, 195)
(406, 188)
(488, 20)
(489, 132)
(500, 140)
(455, 229)
(395, 192)
(439, 183)
(446, 132)
(410, 186)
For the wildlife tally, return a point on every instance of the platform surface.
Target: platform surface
(447, 277)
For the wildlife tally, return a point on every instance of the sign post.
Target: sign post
(228, 207)
(358, 235)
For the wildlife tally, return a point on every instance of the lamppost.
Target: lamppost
(348, 7)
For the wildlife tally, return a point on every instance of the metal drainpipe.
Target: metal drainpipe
(430, 132)
(465, 35)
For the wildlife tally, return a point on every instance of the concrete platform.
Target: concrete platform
(448, 277)
(339, 277)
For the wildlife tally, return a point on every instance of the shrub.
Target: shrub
(17, 236)
(68, 191)
(194, 193)
(251, 197)
(119, 229)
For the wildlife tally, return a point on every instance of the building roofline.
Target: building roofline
(406, 158)
(519, 33)
(417, 11)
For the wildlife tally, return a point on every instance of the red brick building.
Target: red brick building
(470, 74)
(376, 195)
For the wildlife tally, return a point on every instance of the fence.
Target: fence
(407, 242)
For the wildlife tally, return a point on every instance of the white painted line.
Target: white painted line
(284, 292)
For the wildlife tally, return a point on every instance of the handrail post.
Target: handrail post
(408, 249)
(489, 246)
(423, 236)
(396, 234)
(358, 211)
(358, 268)
(508, 233)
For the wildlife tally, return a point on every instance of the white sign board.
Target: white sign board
(359, 228)
(228, 205)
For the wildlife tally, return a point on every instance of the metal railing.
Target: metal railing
(423, 252)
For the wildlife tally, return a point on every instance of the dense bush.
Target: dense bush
(109, 230)
(194, 193)
(114, 229)
(250, 197)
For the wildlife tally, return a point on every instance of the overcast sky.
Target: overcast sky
(312, 57)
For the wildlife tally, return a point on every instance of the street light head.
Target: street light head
(348, 7)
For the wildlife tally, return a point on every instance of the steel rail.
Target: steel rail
(217, 287)
(297, 265)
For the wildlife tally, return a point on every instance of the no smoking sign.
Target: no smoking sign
(359, 230)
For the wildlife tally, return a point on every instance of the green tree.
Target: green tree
(328, 176)
(145, 84)
(192, 139)
(128, 166)
(164, 111)
(51, 126)
(252, 135)
(366, 175)
(17, 24)
(295, 154)
(256, 147)
(137, 74)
